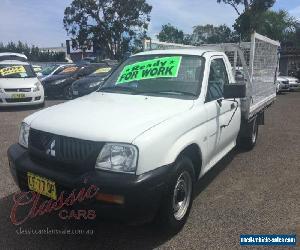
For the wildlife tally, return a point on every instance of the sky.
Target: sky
(39, 22)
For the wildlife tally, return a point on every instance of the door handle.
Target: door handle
(232, 106)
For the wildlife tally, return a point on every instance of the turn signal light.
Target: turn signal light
(118, 199)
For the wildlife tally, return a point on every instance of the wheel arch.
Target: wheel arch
(193, 152)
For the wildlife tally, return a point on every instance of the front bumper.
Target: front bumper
(284, 87)
(30, 98)
(54, 90)
(142, 194)
(294, 85)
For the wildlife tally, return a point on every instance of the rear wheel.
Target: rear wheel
(249, 138)
(177, 203)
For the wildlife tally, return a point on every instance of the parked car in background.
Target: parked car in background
(294, 82)
(18, 82)
(53, 69)
(282, 84)
(61, 87)
(50, 82)
(92, 82)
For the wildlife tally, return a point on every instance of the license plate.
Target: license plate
(41, 185)
(17, 96)
(75, 92)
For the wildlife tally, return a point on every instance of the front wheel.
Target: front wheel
(41, 105)
(177, 203)
(68, 93)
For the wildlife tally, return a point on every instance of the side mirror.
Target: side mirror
(234, 91)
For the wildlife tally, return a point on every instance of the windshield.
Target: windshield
(16, 71)
(48, 70)
(87, 70)
(159, 75)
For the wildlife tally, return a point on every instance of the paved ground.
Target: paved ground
(248, 192)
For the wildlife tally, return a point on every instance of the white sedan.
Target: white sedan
(294, 82)
(282, 84)
(19, 85)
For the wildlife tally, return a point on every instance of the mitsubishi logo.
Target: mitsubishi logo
(51, 149)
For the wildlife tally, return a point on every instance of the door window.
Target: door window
(217, 78)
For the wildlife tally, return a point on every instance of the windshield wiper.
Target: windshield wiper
(172, 92)
(122, 88)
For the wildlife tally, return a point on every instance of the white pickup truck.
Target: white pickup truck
(160, 122)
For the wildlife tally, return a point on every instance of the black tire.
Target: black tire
(168, 219)
(42, 105)
(249, 139)
(68, 93)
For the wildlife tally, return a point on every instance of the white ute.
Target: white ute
(159, 123)
(19, 85)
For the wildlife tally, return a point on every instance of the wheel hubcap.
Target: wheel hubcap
(182, 195)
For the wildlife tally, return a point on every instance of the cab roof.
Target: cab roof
(186, 51)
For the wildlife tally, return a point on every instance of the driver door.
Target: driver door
(221, 132)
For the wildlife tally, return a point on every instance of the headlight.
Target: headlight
(24, 134)
(57, 82)
(95, 84)
(37, 87)
(118, 157)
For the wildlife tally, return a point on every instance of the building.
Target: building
(290, 60)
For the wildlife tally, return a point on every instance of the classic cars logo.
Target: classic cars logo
(30, 203)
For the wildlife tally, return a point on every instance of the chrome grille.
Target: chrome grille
(62, 150)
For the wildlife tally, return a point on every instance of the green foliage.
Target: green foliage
(255, 5)
(171, 34)
(252, 16)
(112, 24)
(278, 25)
(213, 34)
(201, 34)
(33, 53)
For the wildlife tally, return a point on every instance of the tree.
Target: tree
(252, 16)
(213, 34)
(248, 4)
(170, 34)
(278, 25)
(33, 53)
(112, 24)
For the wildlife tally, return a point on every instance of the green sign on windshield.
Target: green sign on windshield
(155, 68)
